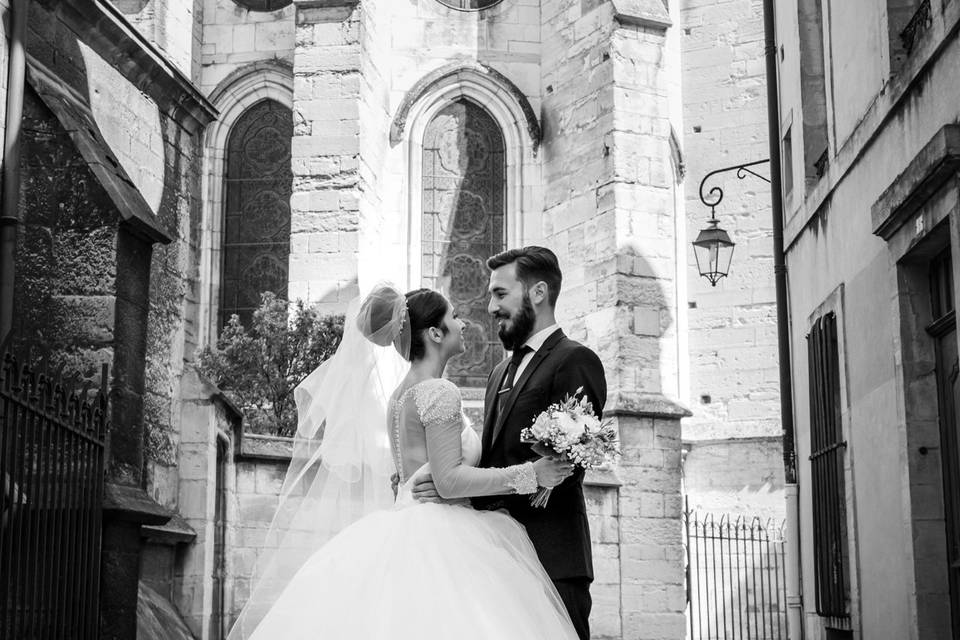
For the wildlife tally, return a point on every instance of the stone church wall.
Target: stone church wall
(598, 187)
(734, 376)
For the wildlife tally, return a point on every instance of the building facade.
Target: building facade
(733, 441)
(869, 105)
(313, 147)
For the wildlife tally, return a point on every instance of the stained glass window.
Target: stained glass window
(463, 224)
(256, 230)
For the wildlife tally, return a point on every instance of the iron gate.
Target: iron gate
(51, 484)
(735, 578)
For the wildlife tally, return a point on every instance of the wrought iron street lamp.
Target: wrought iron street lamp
(713, 247)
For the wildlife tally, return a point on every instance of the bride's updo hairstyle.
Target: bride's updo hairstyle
(426, 308)
(387, 317)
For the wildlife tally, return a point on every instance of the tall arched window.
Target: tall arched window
(463, 224)
(256, 230)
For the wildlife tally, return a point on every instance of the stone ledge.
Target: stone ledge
(642, 13)
(644, 405)
(210, 390)
(254, 446)
(930, 169)
(132, 504)
(174, 531)
(602, 478)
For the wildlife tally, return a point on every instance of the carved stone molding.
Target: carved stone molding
(934, 165)
(651, 14)
(458, 72)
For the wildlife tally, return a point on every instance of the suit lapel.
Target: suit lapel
(518, 384)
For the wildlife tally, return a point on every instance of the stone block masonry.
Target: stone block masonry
(734, 379)
(608, 208)
(325, 206)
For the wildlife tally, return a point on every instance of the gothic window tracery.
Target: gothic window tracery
(469, 5)
(256, 230)
(463, 223)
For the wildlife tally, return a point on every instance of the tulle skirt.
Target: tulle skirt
(422, 572)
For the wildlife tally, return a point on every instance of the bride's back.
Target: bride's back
(409, 408)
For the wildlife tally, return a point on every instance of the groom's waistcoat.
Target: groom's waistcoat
(560, 531)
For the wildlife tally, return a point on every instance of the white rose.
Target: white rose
(572, 426)
(591, 423)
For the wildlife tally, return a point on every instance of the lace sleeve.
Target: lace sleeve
(439, 408)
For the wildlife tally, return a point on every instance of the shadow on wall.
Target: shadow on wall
(87, 281)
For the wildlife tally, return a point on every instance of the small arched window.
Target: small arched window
(256, 230)
(463, 224)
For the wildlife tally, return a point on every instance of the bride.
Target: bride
(350, 562)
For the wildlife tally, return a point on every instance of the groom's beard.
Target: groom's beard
(521, 325)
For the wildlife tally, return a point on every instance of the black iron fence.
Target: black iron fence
(735, 578)
(51, 484)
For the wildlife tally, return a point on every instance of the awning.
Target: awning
(78, 121)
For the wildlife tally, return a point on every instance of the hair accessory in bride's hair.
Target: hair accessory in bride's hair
(384, 319)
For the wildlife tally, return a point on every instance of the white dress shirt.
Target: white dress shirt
(534, 342)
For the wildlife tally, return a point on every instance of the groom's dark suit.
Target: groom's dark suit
(560, 531)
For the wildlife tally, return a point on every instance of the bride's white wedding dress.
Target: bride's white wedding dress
(423, 571)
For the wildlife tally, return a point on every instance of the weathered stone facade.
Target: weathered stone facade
(587, 97)
(109, 169)
(732, 337)
(871, 235)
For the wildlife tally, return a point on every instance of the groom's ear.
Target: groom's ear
(538, 292)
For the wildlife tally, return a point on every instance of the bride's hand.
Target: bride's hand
(551, 472)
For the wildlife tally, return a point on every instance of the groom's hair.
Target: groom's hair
(533, 265)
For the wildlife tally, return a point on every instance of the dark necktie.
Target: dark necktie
(515, 359)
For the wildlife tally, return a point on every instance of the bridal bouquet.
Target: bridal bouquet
(572, 431)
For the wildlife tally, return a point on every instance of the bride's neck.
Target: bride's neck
(430, 365)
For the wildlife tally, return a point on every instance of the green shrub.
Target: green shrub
(259, 366)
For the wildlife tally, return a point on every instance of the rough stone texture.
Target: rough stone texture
(100, 293)
(325, 204)
(886, 112)
(609, 209)
(600, 188)
(732, 338)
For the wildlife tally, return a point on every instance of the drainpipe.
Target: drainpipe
(9, 214)
(793, 593)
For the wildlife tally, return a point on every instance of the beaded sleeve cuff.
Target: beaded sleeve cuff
(523, 479)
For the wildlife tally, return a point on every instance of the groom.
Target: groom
(545, 366)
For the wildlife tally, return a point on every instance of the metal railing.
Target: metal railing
(51, 484)
(735, 578)
(830, 539)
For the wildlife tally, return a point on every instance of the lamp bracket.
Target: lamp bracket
(715, 194)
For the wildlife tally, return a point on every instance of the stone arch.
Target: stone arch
(514, 115)
(469, 79)
(232, 97)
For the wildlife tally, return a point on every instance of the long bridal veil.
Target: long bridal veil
(341, 465)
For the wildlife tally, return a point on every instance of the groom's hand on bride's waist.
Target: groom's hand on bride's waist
(394, 484)
(424, 490)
